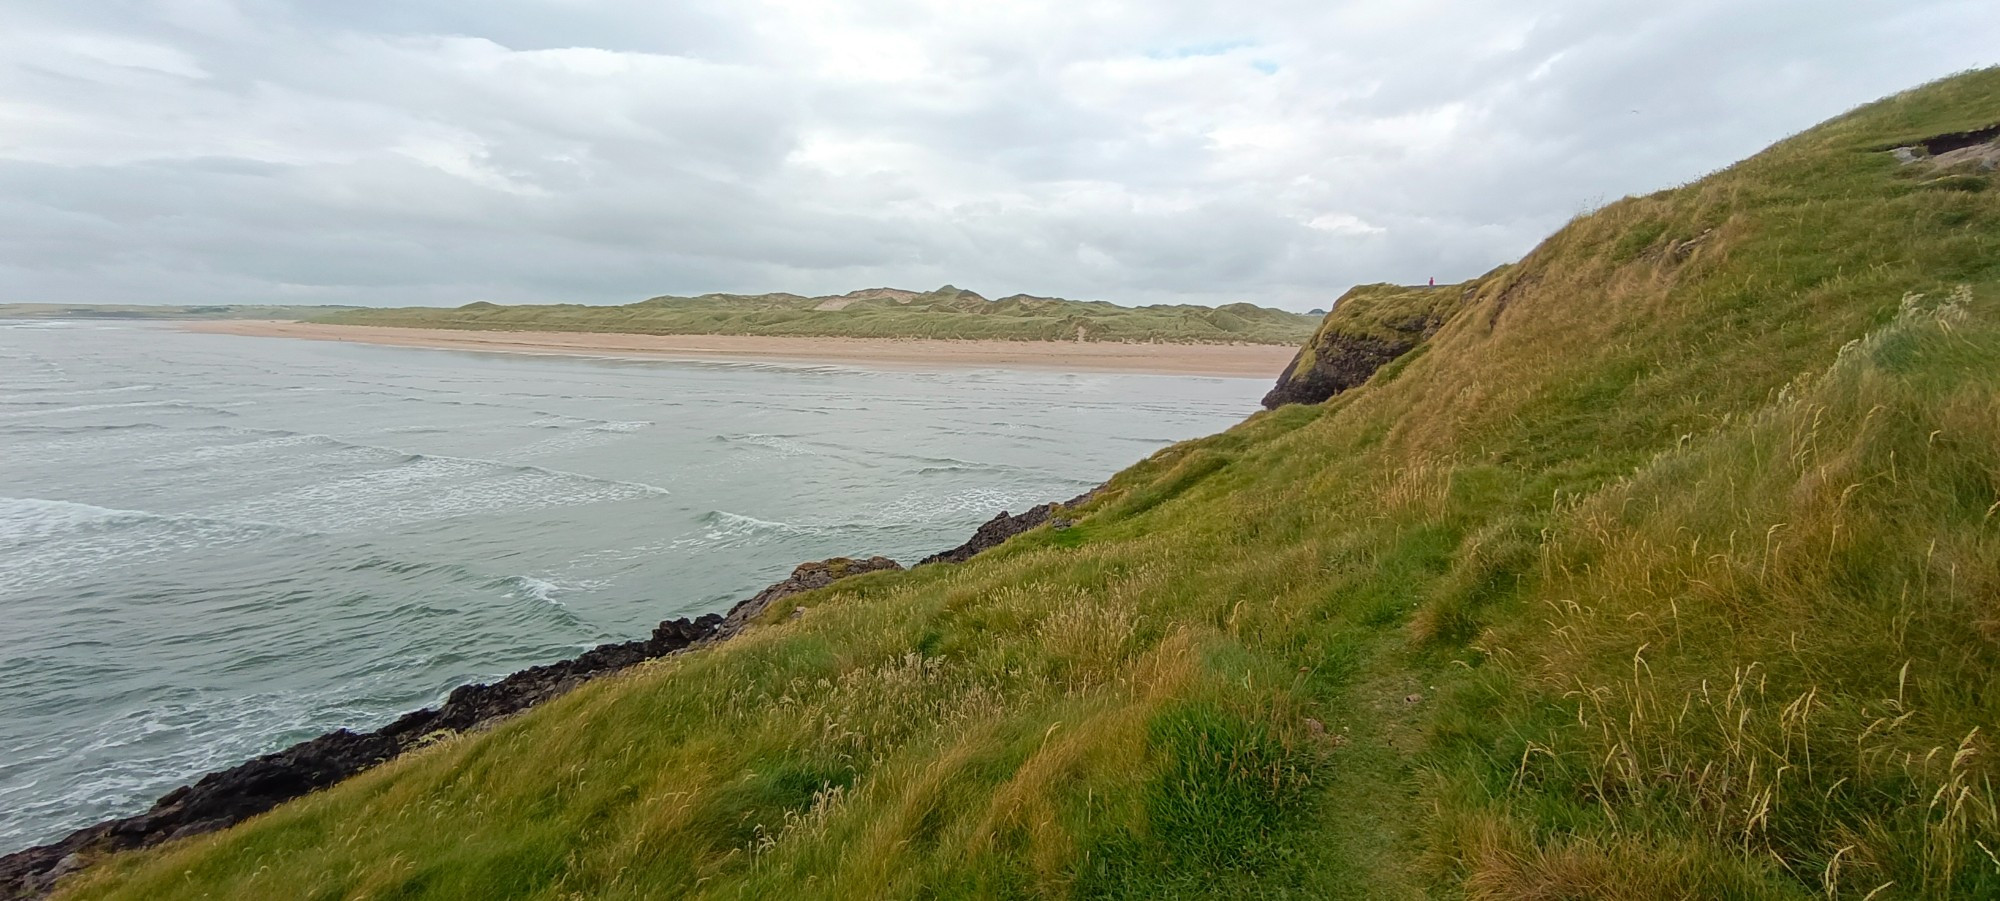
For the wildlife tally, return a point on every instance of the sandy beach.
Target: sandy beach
(1229, 360)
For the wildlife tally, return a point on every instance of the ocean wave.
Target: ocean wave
(262, 447)
(970, 505)
(641, 487)
(92, 408)
(953, 467)
(558, 422)
(39, 429)
(377, 563)
(48, 542)
(925, 464)
(117, 764)
(404, 456)
(75, 392)
(48, 372)
(737, 522)
(546, 591)
(574, 434)
(418, 487)
(30, 519)
(783, 445)
(55, 444)
(723, 529)
(947, 465)
(539, 589)
(940, 465)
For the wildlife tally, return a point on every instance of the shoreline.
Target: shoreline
(1261, 361)
(222, 798)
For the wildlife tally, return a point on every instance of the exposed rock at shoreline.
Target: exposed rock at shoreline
(469, 706)
(1005, 526)
(806, 577)
(222, 799)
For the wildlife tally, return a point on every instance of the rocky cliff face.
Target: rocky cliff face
(1369, 326)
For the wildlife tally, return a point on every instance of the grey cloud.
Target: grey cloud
(536, 150)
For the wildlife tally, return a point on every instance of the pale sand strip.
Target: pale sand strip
(1233, 360)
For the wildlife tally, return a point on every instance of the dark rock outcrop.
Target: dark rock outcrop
(1978, 149)
(1005, 526)
(471, 706)
(807, 577)
(991, 533)
(1369, 327)
(1940, 145)
(1340, 362)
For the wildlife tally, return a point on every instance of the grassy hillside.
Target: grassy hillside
(1666, 568)
(947, 312)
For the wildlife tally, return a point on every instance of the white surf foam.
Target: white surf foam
(47, 542)
(131, 405)
(424, 487)
(574, 435)
(548, 590)
(783, 445)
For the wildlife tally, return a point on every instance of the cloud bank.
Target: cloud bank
(601, 151)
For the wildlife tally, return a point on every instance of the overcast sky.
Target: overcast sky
(402, 151)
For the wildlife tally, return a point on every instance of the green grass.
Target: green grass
(1666, 570)
(947, 313)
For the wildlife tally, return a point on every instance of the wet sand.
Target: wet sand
(1229, 360)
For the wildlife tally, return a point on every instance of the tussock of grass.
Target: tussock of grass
(947, 313)
(1667, 570)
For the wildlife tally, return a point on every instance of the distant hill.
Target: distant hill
(948, 312)
(167, 312)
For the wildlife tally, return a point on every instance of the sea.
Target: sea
(215, 546)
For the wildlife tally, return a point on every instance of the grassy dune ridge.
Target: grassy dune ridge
(1665, 568)
(946, 313)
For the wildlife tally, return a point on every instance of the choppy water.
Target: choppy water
(212, 547)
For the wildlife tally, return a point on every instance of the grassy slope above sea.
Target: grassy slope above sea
(1666, 568)
(946, 313)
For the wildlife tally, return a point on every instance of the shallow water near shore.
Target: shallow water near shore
(214, 546)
